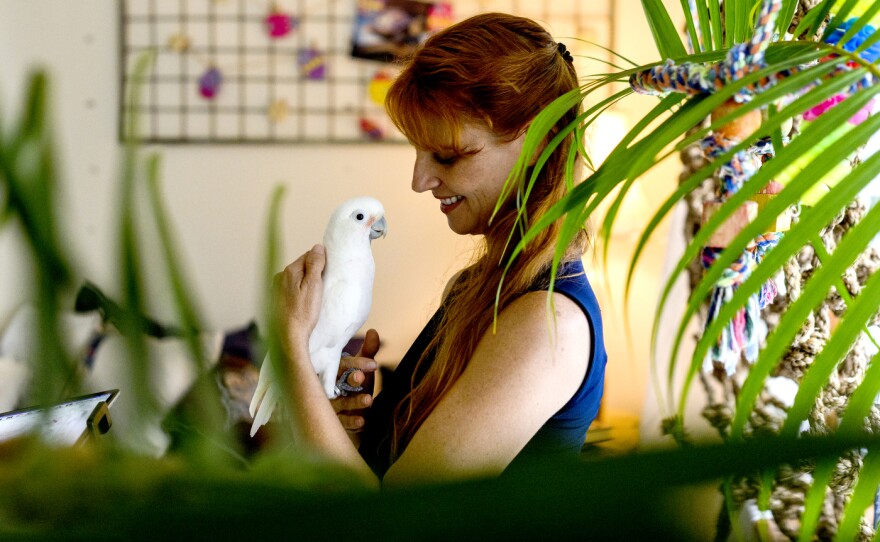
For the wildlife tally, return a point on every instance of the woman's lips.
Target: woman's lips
(447, 205)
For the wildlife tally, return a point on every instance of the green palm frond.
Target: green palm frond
(129, 258)
(632, 159)
(271, 266)
(665, 35)
(796, 238)
(650, 141)
(809, 25)
(28, 172)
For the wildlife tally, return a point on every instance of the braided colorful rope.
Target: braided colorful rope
(741, 60)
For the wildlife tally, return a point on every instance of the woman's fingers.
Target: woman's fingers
(298, 292)
(370, 346)
(351, 422)
(357, 401)
(363, 365)
(350, 409)
(363, 373)
(360, 373)
(314, 264)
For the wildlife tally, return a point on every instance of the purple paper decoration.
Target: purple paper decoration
(209, 83)
(312, 63)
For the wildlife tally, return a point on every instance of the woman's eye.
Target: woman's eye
(446, 160)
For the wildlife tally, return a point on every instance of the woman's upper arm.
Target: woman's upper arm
(515, 381)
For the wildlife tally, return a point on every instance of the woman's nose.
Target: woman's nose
(424, 174)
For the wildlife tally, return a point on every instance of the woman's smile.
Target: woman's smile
(447, 205)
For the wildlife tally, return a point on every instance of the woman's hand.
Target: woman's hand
(298, 291)
(350, 408)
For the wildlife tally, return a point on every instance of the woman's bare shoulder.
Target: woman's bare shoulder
(452, 280)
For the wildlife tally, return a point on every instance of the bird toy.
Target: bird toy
(742, 336)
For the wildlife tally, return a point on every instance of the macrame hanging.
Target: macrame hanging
(743, 335)
(792, 483)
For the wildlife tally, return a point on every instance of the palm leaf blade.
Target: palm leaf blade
(797, 148)
(665, 35)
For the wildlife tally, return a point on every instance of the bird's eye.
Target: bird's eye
(360, 216)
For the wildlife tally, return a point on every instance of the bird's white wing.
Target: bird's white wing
(347, 296)
(344, 310)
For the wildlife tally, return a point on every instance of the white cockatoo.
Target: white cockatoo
(347, 296)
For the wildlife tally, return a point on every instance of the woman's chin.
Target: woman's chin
(462, 229)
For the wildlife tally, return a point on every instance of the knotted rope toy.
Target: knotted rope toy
(745, 332)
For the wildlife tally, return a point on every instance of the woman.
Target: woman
(467, 400)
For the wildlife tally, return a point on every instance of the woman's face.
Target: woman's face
(468, 185)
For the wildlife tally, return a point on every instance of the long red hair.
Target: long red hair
(500, 70)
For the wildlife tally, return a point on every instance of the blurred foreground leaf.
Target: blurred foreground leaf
(92, 493)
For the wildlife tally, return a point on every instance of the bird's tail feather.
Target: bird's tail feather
(264, 412)
(265, 398)
(262, 386)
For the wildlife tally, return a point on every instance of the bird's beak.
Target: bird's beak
(378, 229)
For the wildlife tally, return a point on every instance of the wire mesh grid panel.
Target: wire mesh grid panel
(586, 27)
(298, 71)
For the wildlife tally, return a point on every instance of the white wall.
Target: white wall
(217, 196)
(627, 374)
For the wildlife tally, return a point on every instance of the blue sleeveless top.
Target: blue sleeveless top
(563, 433)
